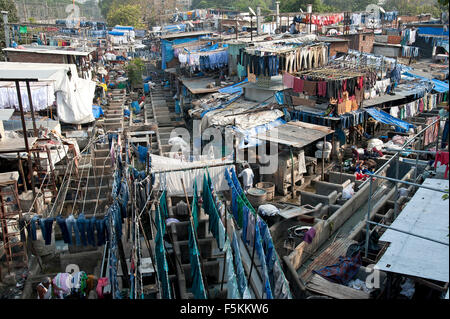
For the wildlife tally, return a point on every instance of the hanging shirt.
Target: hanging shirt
(247, 175)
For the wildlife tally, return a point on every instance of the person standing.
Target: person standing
(44, 289)
(247, 177)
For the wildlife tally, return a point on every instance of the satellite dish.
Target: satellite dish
(374, 11)
(251, 11)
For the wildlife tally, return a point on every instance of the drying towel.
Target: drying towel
(298, 85)
(288, 80)
(310, 87)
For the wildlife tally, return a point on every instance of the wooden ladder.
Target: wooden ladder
(45, 173)
(10, 214)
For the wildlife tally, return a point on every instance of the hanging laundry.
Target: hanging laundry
(198, 287)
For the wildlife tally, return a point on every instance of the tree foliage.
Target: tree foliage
(135, 69)
(126, 15)
(415, 7)
(6, 5)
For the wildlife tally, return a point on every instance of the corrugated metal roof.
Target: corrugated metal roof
(295, 134)
(426, 214)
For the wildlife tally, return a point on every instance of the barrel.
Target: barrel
(257, 196)
(269, 187)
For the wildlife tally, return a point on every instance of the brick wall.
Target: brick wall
(362, 41)
(34, 57)
(338, 47)
(409, 19)
(366, 42)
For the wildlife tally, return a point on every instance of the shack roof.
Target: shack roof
(426, 214)
(51, 50)
(199, 85)
(295, 134)
(185, 34)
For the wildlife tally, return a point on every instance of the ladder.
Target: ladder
(10, 214)
(45, 172)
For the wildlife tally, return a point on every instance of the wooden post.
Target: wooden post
(292, 174)
(225, 256)
(323, 158)
(30, 101)
(25, 137)
(22, 172)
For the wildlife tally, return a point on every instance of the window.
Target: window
(364, 38)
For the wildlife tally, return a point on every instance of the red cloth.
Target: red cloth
(298, 85)
(377, 151)
(322, 88)
(288, 80)
(442, 157)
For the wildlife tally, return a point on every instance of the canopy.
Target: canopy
(74, 95)
(386, 118)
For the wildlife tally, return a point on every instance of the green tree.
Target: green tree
(295, 6)
(135, 69)
(415, 7)
(126, 15)
(6, 5)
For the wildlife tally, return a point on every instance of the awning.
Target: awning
(386, 118)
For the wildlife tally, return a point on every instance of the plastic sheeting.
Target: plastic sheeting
(233, 88)
(386, 118)
(74, 95)
(246, 135)
(439, 86)
(167, 50)
(432, 31)
(97, 111)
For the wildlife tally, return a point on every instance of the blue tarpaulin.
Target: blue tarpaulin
(120, 27)
(116, 33)
(249, 141)
(280, 97)
(233, 88)
(167, 50)
(174, 27)
(135, 107)
(432, 31)
(386, 118)
(97, 111)
(439, 86)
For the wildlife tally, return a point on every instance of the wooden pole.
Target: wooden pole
(323, 158)
(30, 100)
(225, 256)
(25, 137)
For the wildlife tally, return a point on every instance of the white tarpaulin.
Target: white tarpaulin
(73, 95)
(172, 180)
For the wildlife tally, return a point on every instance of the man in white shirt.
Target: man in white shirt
(247, 176)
